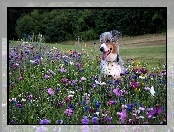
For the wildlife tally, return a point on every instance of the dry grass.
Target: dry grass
(143, 40)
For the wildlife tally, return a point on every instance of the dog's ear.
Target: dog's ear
(116, 35)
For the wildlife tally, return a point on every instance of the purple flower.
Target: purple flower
(134, 85)
(45, 121)
(109, 119)
(47, 77)
(143, 70)
(95, 120)
(85, 120)
(154, 112)
(60, 104)
(50, 91)
(59, 121)
(73, 82)
(57, 90)
(51, 72)
(62, 70)
(64, 80)
(93, 85)
(29, 97)
(122, 115)
(111, 102)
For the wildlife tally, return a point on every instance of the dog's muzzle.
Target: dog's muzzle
(101, 49)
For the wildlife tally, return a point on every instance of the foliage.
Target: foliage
(66, 24)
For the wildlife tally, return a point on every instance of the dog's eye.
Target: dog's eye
(110, 48)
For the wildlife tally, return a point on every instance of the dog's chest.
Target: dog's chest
(110, 68)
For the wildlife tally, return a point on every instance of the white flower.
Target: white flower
(142, 117)
(100, 83)
(104, 115)
(124, 106)
(32, 61)
(54, 48)
(70, 96)
(71, 92)
(23, 100)
(71, 63)
(142, 77)
(97, 113)
(14, 99)
(85, 94)
(152, 91)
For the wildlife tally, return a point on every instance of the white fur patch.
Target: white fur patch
(104, 46)
(110, 68)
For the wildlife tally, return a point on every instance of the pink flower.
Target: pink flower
(64, 80)
(122, 115)
(117, 92)
(134, 84)
(141, 108)
(67, 99)
(147, 88)
(83, 79)
(50, 91)
(20, 78)
(68, 112)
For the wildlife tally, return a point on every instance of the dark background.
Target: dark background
(62, 24)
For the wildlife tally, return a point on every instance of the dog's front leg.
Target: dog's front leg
(101, 77)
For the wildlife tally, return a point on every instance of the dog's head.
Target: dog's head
(107, 37)
(109, 50)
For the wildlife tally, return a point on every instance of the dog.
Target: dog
(111, 64)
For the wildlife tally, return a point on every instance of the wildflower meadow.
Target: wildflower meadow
(59, 85)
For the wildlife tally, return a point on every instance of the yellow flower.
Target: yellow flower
(137, 66)
(138, 89)
(85, 45)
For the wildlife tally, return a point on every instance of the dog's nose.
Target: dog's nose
(101, 49)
